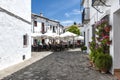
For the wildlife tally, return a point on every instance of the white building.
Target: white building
(41, 24)
(15, 30)
(109, 9)
(87, 30)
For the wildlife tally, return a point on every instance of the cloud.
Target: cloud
(76, 11)
(73, 12)
(67, 22)
(67, 15)
(70, 22)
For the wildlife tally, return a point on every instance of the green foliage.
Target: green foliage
(92, 45)
(92, 55)
(84, 48)
(99, 50)
(75, 23)
(74, 29)
(103, 61)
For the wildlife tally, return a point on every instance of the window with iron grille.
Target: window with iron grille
(54, 29)
(35, 23)
(25, 40)
(43, 28)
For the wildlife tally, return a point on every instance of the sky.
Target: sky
(65, 11)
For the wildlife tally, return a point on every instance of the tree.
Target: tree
(75, 23)
(74, 29)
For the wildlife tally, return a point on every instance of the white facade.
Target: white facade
(50, 26)
(15, 22)
(86, 23)
(113, 11)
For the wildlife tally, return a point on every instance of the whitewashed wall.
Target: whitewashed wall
(12, 31)
(18, 7)
(38, 28)
(114, 33)
(117, 40)
(47, 24)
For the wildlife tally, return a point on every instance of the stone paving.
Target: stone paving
(65, 65)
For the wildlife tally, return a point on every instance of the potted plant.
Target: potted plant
(83, 48)
(103, 62)
(109, 42)
(107, 28)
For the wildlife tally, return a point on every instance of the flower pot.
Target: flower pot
(103, 70)
(97, 69)
(84, 51)
(109, 42)
(107, 28)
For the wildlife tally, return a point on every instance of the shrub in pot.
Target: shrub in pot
(84, 48)
(103, 62)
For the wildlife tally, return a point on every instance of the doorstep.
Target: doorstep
(117, 73)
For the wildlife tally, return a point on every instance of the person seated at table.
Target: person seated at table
(34, 44)
(49, 44)
(44, 46)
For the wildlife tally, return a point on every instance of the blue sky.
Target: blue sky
(65, 11)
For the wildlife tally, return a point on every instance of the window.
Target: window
(93, 32)
(53, 28)
(50, 27)
(35, 23)
(25, 40)
(43, 28)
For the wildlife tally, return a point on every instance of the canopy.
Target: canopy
(68, 34)
(34, 35)
(51, 35)
(79, 38)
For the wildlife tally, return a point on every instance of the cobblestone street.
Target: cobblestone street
(66, 65)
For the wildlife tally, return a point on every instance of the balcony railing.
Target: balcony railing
(98, 2)
(86, 15)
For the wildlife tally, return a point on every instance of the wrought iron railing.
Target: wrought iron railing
(86, 15)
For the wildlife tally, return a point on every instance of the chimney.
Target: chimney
(41, 14)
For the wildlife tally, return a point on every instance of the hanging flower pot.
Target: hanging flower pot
(107, 28)
(109, 42)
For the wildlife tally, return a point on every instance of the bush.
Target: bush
(103, 61)
(92, 55)
(84, 48)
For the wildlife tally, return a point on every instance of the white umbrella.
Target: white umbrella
(68, 34)
(51, 35)
(79, 38)
(35, 35)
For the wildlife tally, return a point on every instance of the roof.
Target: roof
(33, 14)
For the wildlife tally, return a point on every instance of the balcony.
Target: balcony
(98, 2)
(86, 15)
